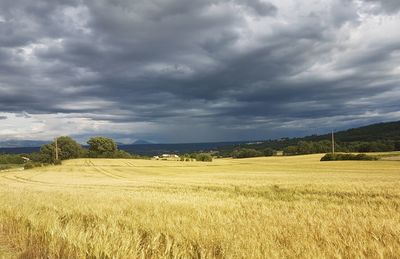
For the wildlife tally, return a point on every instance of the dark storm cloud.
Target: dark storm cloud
(390, 6)
(234, 68)
(259, 7)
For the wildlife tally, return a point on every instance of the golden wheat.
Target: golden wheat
(279, 207)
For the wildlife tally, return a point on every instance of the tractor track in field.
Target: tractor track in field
(13, 179)
(25, 179)
(56, 185)
(104, 171)
(77, 186)
(130, 164)
(28, 181)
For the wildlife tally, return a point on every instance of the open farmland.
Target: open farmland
(277, 207)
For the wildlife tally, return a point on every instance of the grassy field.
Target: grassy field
(278, 207)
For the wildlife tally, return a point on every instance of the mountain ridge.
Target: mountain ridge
(385, 131)
(22, 143)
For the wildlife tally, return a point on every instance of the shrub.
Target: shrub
(28, 166)
(31, 165)
(5, 167)
(11, 159)
(204, 157)
(246, 152)
(340, 156)
(268, 152)
(57, 162)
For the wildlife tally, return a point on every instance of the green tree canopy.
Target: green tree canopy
(47, 153)
(246, 152)
(102, 146)
(68, 148)
(204, 157)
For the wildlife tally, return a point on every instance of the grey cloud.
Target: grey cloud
(389, 6)
(260, 7)
(3, 117)
(23, 115)
(199, 63)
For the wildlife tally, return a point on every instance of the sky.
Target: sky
(173, 71)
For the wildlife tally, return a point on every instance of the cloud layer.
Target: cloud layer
(201, 70)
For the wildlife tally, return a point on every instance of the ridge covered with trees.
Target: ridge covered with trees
(381, 137)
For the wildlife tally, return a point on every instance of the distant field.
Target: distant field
(277, 207)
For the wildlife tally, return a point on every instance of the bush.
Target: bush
(246, 152)
(5, 167)
(31, 165)
(268, 152)
(57, 162)
(11, 159)
(340, 157)
(204, 157)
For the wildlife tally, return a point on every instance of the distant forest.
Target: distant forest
(373, 138)
(380, 137)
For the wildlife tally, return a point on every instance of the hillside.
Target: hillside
(21, 143)
(375, 137)
(389, 131)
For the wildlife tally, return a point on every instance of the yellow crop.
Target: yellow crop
(278, 207)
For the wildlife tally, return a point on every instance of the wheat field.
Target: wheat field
(278, 207)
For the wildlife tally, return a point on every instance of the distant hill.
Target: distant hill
(158, 149)
(388, 131)
(142, 142)
(21, 143)
(375, 137)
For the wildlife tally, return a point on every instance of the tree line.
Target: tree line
(381, 137)
(302, 147)
(68, 148)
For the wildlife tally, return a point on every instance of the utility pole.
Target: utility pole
(56, 145)
(333, 143)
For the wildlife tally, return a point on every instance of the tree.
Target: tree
(67, 149)
(268, 152)
(11, 159)
(397, 146)
(291, 150)
(204, 157)
(246, 152)
(102, 147)
(47, 153)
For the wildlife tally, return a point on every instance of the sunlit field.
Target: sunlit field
(278, 207)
